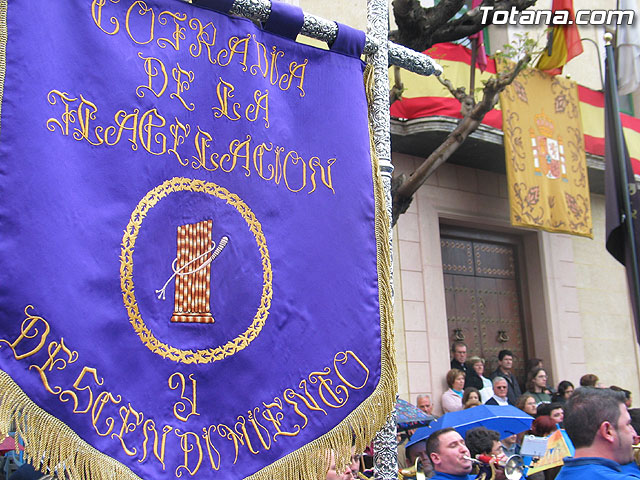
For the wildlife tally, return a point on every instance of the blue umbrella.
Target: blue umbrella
(409, 416)
(420, 434)
(507, 420)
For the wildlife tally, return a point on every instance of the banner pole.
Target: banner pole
(327, 30)
(385, 454)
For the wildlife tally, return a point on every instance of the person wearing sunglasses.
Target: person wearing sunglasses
(500, 390)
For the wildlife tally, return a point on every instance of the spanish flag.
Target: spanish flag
(426, 97)
(565, 41)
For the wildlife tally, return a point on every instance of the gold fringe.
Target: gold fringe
(311, 461)
(49, 444)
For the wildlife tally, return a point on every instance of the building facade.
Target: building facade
(461, 271)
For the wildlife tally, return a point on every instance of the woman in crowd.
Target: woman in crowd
(471, 397)
(452, 398)
(565, 390)
(557, 414)
(482, 383)
(527, 403)
(537, 386)
(534, 363)
(553, 410)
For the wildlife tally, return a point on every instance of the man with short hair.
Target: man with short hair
(417, 450)
(510, 445)
(423, 402)
(449, 455)
(627, 394)
(500, 389)
(484, 445)
(599, 426)
(459, 354)
(554, 410)
(505, 364)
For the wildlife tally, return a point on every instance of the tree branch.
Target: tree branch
(459, 93)
(398, 86)
(405, 189)
(420, 28)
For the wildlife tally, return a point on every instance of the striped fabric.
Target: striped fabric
(426, 97)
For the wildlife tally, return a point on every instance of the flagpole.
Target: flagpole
(385, 446)
(617, 147)
(327, 31)
(472, 70)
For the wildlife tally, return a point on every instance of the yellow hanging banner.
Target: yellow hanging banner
(545, 154)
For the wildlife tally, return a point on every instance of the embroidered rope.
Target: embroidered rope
(216, 251)
(3, 47)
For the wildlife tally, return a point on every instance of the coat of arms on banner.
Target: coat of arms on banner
(544, 153)
(194, 261)
(548, 152)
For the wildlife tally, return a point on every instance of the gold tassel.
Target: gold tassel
(311, 461)
(49, 444)
(52, 446)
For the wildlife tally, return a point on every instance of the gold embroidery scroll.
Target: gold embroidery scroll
(545, 156)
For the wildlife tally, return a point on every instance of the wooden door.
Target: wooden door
(483, 301)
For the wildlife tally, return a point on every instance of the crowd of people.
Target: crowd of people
(468, 385)
(598, 420)
(591, 414)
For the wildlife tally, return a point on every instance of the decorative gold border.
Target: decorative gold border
(361, 425)
(210, 355)
(51, 445)
(3, 49)
(58, 447)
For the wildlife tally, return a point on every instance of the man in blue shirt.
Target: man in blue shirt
(449, 455)
(597, 421)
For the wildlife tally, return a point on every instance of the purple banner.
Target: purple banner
(188, 260)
